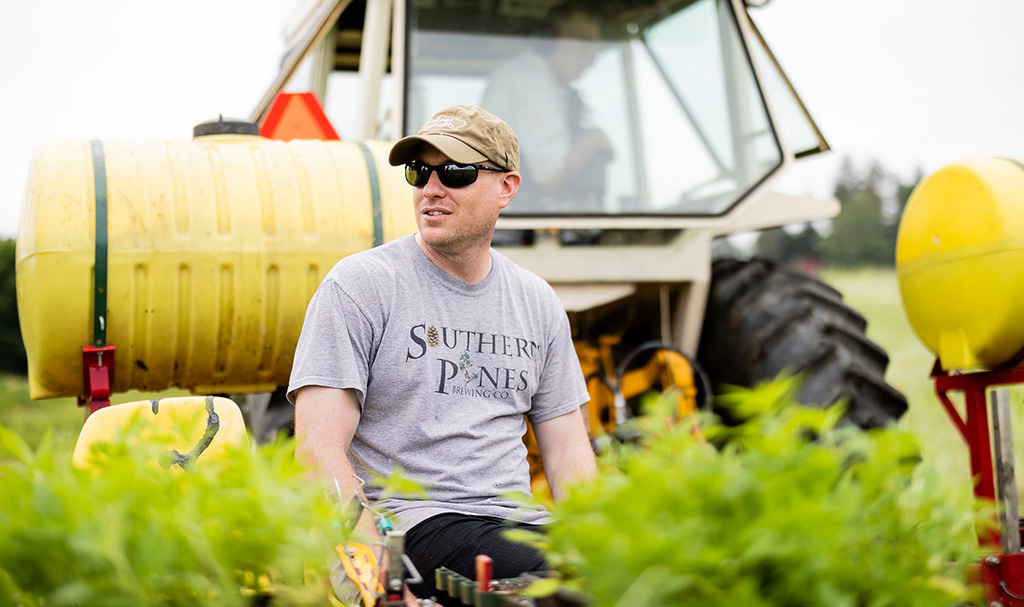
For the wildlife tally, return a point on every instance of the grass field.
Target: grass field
(875, 294)
(32, 419)
(872, 292)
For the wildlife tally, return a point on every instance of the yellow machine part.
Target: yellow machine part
(360, 565)
(665, 369)
(178, 423)
(958, 257)
(215, 247)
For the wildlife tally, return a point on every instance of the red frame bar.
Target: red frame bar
(975, 429)
(1002, 575)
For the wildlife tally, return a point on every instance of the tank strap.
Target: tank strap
(99, 173)
(1019, 165)
(371, 170)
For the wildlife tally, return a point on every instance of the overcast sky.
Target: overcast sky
(912, 83)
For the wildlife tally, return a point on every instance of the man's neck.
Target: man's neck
(471, 265)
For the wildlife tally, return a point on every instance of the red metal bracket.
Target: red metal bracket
(974, 429)
(97, 377)
(1003, 576)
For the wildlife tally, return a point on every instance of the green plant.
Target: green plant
(788, 510)
(31, 420)
(131, 532)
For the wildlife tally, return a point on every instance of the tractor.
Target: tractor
(189, 263)
(698, 119)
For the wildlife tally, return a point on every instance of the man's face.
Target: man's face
(576, 44)
(454, 220)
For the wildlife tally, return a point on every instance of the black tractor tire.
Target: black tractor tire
(764, 319)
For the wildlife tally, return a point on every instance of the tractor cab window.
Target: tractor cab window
(639, 108)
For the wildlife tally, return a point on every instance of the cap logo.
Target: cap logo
(448, 122)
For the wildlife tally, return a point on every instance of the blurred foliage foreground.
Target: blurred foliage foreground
(131, 531)
(784, 509)
(789, 509)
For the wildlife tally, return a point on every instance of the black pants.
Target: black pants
(454, 540)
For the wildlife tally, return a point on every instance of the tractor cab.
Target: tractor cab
(646, 114)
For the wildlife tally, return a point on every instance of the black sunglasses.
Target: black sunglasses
(451, 174)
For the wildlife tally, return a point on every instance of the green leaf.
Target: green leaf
(542, 587)
(652, 587)
(397, 483)
(526, 536)
(14, 446)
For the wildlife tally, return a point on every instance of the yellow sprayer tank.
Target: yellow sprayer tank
(214, 248)
(960, 261)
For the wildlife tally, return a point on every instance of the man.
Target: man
(424, 354)
(563, 152)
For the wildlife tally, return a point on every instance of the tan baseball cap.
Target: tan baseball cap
(464, 133)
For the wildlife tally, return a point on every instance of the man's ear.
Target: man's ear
(509, 186)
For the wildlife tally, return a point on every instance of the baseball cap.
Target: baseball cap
(464, 133)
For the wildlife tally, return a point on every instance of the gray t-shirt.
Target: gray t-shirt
(445, 371)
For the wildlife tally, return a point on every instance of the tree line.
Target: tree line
(864, 232)
(12, 350)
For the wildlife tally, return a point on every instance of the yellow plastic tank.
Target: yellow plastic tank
(215, 246)
(960, 262)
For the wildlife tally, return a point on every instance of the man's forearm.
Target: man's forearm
(330, 466)
(566, 452)
(325, 422)
(571, 467)
(334, 471)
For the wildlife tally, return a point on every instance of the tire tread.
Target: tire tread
(763, 319)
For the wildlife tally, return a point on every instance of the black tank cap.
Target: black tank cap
(225, 126)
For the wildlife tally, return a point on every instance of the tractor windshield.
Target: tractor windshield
(621, 108)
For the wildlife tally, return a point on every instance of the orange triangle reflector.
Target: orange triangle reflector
(297, 116)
